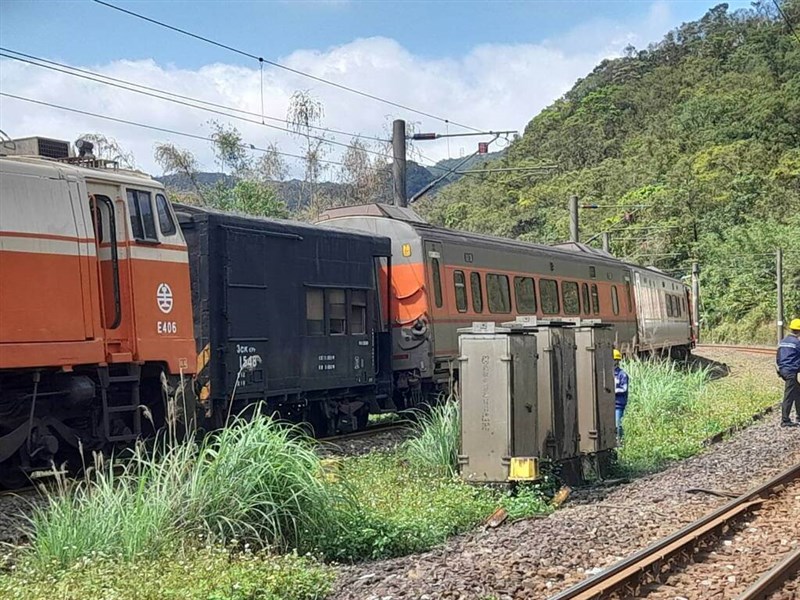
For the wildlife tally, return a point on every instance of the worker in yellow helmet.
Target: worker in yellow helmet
(788, 363)
(620, 391)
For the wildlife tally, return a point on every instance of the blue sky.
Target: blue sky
(277, 28)
(490, 64)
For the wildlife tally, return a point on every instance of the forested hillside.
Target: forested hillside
(691, 150)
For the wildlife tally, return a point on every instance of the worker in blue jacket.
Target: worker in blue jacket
(788, 362)
(620, 391)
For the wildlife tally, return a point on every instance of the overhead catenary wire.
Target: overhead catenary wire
(261, 59)
(786, 20)
(246, 146)
(209, 110)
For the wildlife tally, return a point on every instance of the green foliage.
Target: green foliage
(255, 482)
(434, 445)
(402, 509)
(671, 411)
(686, 146)
(247, 197)
(210, 573)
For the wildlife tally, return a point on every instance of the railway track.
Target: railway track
(372, 430)
(654, 564)
(748, 349)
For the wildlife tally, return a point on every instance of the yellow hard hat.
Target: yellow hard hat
(795, 325)
(617, 354)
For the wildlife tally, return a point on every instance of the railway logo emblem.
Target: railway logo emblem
(164, 298)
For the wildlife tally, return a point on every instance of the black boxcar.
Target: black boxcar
(288, 314)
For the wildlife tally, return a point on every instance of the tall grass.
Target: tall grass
(435, 441)
(672, 411)
(256, 482)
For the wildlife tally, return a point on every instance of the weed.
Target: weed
(434, 445)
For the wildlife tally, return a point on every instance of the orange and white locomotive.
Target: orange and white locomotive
(95, 306)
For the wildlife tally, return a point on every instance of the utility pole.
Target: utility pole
(574, 235)
(399, 162)
(696, 300)
(779, 281)
(607, 242)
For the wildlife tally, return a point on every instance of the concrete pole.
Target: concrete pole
(779, 281)
(399, 162)
(607, 242)
(696, 300)
(574, 234)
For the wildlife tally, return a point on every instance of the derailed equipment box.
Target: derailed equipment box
(498, 395)
(595, 363)
(558, 434)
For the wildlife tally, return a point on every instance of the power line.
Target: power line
(156, 128)
(280, 66)
(210, 110)
(92, 74)
(786, 19)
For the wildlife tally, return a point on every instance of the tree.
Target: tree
(364, 177)
(305, 114)
(174, 160)
(108, 148)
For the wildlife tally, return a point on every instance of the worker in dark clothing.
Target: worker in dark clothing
(788, 363)
(620, 391)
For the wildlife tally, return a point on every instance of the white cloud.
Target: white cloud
(494, 86)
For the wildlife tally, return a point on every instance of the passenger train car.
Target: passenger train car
(443, 280)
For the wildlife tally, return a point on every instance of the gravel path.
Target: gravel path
(13, 508)
(536, 558)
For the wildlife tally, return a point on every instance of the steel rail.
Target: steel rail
(772, 580)
(379, 428)
(628, 572)
(751, 349)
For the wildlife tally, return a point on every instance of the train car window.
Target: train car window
(498, 293)
(358, 312)
(477, 292)
(437, 282)
(165, 222)
(595, 300)
(629, 295)
(569, 294)
(525, 292)
(614, 300)
(585, 293)
(548, 292)
(337, 312)
(143, 222)
(460, 283)
(315, 312)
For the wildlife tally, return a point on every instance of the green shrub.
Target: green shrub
(209, 573)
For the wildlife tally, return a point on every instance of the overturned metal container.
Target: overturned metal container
(498, 394)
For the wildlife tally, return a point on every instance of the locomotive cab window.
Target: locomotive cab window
(614, 300)
(526, 295)
(143, 224)
(165, 221)
(569, 293)
(548, 292)
(477, 291)
(498, 293)
(460, 284)
(358, 312)
(315, 312)
(337, 312)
